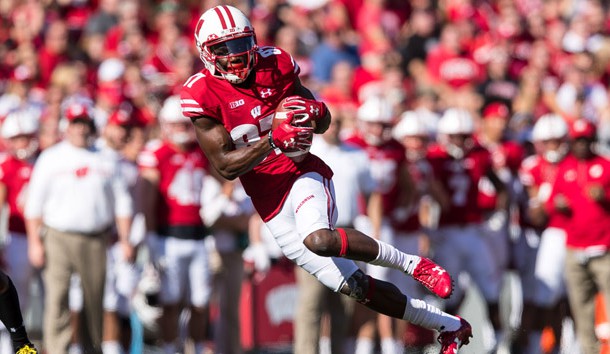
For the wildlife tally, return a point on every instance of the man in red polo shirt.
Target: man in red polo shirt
(582, 192)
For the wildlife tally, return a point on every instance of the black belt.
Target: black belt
(185, 232)
(88, 234)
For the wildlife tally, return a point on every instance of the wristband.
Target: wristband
(270, 138)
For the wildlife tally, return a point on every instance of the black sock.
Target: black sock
(10, 315)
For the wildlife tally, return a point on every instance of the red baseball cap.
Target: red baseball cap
(78, 110)
(120, 117)
(582, 128)
(496, 109)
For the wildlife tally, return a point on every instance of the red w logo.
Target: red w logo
(82, 172)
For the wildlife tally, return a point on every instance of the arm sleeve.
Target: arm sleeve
(123, 201)
(367, 183)
(38, 188)
(213, 202)
(549, 204)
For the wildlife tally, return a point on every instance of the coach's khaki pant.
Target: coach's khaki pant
(228, 284)
(86, 255)
(315, 298)
(583, 281)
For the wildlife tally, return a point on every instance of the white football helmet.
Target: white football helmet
(169, 115)
(376, 109)
(21, 123)
(455, 122)
(551, 126)
(413, 132)
(410, 124)
(226, 43)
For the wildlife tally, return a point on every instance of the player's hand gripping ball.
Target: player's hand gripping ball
(306, 111)
(292, 128)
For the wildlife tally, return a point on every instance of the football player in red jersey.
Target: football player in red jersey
(500, 225)
(174, 169)
(376, 116)
(413, 223)
(459, 163)
(231, 102)
(19, 131)
(544, 286)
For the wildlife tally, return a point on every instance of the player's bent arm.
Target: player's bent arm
(374, 210)
(535, 209)
(502, 200)
(438, 193)
(321, 124)
(3, 204)
(218, 147)
(35, 246)
(2, 193)
(408, 193)
(146, 196)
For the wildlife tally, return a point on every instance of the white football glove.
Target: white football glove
(257, 255)
(148, 287)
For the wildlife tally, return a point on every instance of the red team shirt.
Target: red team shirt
(589, 221)
(181, 179)
(421, 174)
(247, 113)
(15, 174)
(506, 157)
(460, 178)
(386, 161)
(539, 173)
(451, 68)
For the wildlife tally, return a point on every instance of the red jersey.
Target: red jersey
(15, 175)
(506, 157)
(536, 172)
(386, 161)
(460, 178)
(246, 111)
(589, 220)
(421, 174)
(181, 180)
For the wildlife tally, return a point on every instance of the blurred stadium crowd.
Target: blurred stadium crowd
(483, 100)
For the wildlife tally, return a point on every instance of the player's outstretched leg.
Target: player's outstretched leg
(353, 244)
(386, 298)
(11, 317)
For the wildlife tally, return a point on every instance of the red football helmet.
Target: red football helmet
(226, 43)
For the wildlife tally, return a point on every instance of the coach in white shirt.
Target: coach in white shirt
(75, 197)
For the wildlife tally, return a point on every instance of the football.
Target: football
(281, 115)
(278, 118)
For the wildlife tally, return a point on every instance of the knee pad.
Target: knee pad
(357, 286)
